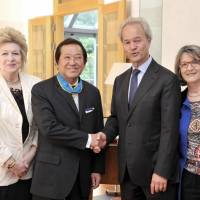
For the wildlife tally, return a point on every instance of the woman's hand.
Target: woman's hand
(20, 169)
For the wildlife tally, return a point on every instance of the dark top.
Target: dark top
(18, 96)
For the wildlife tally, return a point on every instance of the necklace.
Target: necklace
(12, 82)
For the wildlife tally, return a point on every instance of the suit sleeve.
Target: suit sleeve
(111, 127)
(50, 127)
(170, 112)
(99, 159)
(5, 153)
(35, 131)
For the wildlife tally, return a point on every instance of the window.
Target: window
(83, 26)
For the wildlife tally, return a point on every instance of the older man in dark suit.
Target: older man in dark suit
(146, 119)
(67, 111)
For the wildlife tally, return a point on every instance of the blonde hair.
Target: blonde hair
(9, 34)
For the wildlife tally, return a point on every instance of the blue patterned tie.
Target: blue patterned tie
(133, 85)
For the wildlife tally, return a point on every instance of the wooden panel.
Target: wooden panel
(61, 7)
(40, 56)
(111, 172)
(109, 46)
(58, 35)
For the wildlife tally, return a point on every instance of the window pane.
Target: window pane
(86, 20)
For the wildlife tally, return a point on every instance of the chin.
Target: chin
(192, 81)
(12, 70)
(135, 60)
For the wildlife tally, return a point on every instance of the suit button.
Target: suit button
(129, 124)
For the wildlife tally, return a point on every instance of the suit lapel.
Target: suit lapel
(67, 96)
(125, 86)
(82, 97)
(147, 82)
(7, 92)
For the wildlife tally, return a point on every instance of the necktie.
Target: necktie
(133, 85)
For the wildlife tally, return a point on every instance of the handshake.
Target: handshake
(98, 142)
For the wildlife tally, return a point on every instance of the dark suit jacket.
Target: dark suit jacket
(148, 132)
(63, 134)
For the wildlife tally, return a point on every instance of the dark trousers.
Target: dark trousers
(19, 190)
(190, 188)
(75, 194)
(131, 191)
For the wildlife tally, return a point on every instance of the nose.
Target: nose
(10, 56)
(133, 45)
(72, 61)
(189, 66)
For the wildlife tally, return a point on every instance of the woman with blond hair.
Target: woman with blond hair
(187, 67)
(18, 133)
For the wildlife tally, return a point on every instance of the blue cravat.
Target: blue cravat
(133, 85)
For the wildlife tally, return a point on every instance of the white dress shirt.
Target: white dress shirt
(143, 68)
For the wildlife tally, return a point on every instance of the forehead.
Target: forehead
(133, 31)
(9, 46)
(187, 57)
(71, 49)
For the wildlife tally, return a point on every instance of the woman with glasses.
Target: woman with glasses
(187, 67)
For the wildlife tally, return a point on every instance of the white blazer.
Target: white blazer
(11, 143)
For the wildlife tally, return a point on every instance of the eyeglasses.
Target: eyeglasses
(193, 63)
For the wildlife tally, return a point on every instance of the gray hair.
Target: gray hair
(9, 34)
(193, 51)
(136, 20)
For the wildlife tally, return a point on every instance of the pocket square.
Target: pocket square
(89, 110)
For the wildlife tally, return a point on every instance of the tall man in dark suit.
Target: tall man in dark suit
(67, 111)
(145, 114)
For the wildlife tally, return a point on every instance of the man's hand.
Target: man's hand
(95, 143)
(98, 142)
(102, 139)
(158, 184)
(96, 178)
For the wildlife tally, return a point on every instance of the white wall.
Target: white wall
(16, 13)
(13, 14)
(181, 26)
(133, 7)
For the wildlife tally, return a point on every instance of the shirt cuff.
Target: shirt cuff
(89, 141)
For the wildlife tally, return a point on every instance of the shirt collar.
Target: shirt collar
(143, 67)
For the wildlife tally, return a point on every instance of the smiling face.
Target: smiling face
(10, 59)
(190, 68)
(136, 44)
(71, 62)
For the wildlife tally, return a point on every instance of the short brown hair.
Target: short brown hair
(9, 34)
(193, 50)
(69, 41)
